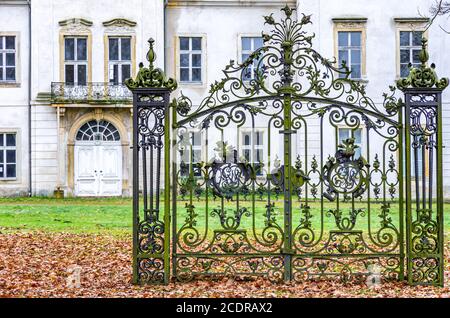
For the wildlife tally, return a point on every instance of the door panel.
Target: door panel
(85, 165)
(110, 177)
(98, 170)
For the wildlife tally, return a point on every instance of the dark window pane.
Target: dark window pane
(113, 49)
(417, 38)
(416, 56)
(1, 139)
(356, 71)
(196, 74)
(355, 38)
(1, 59)
(82, 75)
(344, 134)
(404, 38)
(184, 74)
(126, 49)
(259, 156)
(10, 73)
(2, 153)
(343, 56)
(196, 60)
(81, 50)
(10, 156)
(10, 140)
(184, 44)
(357, 136)
(184, 60)
(245, 57)
(246, 44)
(10, 43)
(2, 172)
(10, 171)
(1, 42)
(404, 70)
(356, 56)
(258, 43)
(115, 74)
(126, 72)
(247, 154)
(342, 38)
(196, 43)
(69, 49)
(196, 139)
(1, 74)
(70, 78)
(405, 56)
(247, 139)
(10, 59)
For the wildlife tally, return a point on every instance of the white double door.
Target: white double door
(98, 169)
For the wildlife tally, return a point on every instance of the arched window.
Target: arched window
(98, 131)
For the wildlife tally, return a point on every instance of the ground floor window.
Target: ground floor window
(346, 133)
(252, 149)
(8, 156)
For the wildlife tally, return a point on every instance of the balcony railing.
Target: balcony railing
(91, 93)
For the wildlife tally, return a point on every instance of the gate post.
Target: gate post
(424, 174)
(151, 137)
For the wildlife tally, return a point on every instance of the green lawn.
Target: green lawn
(113, 215)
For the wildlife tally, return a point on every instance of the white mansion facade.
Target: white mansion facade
(65, 115)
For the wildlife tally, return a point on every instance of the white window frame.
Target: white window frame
(349, 48)
(75, 62)
(411, 48)
(253, 148)
(3, 53)
(120, 62)
(187, 150)
(203, 67)
(3, 149)
(360, 145)
(252, 49)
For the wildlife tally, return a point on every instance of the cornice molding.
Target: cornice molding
(350, 20)
(412, 20)
(79, 21)
(119, 22)
(231, 3)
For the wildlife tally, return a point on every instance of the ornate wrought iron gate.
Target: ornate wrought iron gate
(288, 170)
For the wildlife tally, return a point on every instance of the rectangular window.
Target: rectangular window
(119, 59)
(75, 61)
(248, 46)
(350, 51)
(191, 59)
(192, 152)
(346, 133)
(410, 47)
(252, 149)
(8, 156)
(7, 58)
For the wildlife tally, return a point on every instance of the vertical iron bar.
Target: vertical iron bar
(135, 190)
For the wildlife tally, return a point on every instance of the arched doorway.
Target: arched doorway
(98, 160)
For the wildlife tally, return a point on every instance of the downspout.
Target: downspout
(30, 160)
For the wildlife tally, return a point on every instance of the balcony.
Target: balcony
(92, 93)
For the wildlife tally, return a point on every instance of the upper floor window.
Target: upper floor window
(410, 47)
(119, 59)
(346, 133)
(7, 58)
(249, 45)
(191, 59)
(8, 162)
(350, 51)
(252, 148)
(75, 60)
